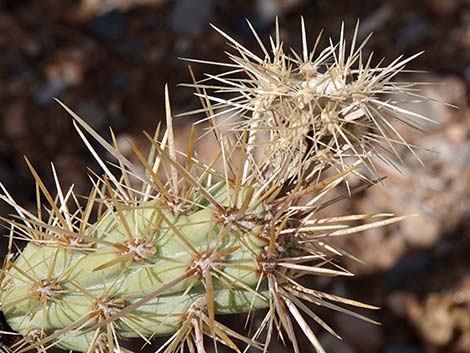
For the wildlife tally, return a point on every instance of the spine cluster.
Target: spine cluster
(163, 246)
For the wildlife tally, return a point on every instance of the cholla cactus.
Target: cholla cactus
(168, 256)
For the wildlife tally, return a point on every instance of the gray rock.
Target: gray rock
(190, 17)
(110, 26)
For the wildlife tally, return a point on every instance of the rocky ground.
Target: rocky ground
(109, 61)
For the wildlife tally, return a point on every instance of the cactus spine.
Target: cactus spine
(165, 258)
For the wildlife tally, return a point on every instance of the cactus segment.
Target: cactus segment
(137, 251)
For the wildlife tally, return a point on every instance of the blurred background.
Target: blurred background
(109, 60)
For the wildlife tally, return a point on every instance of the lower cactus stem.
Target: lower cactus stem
(134, 254)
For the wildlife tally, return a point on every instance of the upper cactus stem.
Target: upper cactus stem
(310, 111)
(165, 257)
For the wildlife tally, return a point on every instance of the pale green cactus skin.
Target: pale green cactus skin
(86, 275)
